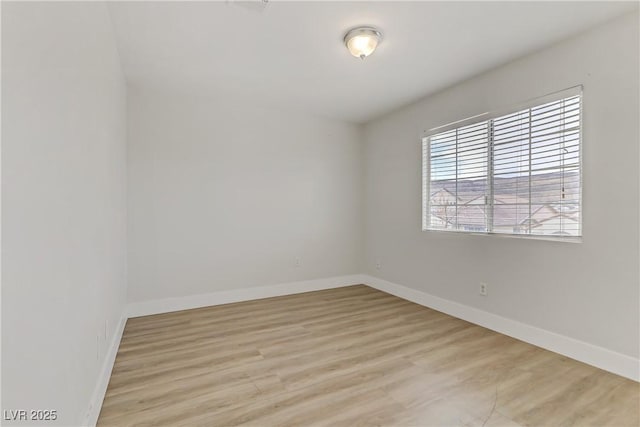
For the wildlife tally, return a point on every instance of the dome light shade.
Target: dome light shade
(362, 41)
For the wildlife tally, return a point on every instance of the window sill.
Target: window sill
(572, 239)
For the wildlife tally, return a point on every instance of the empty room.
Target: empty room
(320, 213)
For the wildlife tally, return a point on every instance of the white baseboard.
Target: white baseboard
(95, 405)
(599, 357)
(146, 308)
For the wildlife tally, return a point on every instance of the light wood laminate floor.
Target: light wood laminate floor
(351, 356)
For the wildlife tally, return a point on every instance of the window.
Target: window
(516, 173)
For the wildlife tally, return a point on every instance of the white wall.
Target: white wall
(64, 200)
(227, 196)
(587, 291)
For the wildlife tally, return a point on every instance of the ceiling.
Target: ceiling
(290, 55)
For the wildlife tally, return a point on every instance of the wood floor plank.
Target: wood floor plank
(351, 356)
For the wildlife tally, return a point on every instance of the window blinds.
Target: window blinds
(517, 173)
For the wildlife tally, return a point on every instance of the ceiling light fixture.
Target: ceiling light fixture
(362, 41)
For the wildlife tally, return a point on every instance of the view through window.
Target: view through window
(518, 173)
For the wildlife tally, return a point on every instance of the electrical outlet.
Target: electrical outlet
(378, 264)
(297, 262)
(482, 290)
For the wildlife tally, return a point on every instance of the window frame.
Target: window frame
(487, 117)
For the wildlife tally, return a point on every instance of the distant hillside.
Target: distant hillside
(545, 188)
